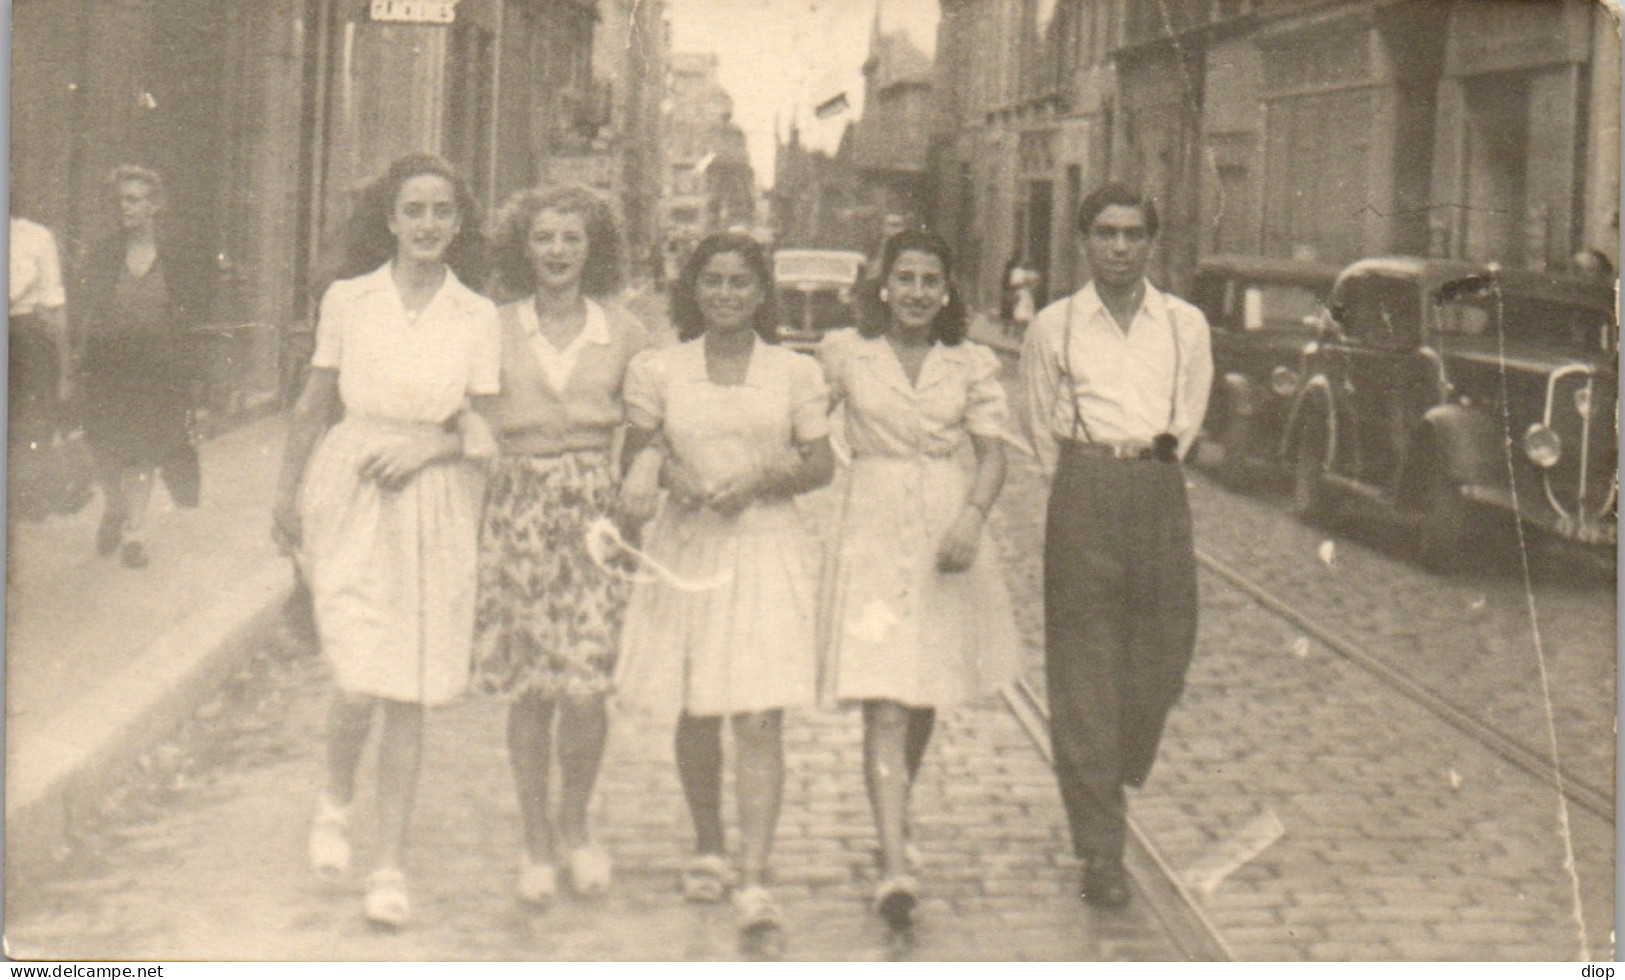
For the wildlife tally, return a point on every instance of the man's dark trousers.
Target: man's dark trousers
(1119, 629)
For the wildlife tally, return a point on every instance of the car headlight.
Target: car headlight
(1284, 381)
(1543, 446)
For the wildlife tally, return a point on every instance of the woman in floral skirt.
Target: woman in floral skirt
(550, 614)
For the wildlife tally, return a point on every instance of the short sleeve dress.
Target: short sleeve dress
(730, 629)
(392, 572)
(890, 625)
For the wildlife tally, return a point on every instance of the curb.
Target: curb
(67, 775)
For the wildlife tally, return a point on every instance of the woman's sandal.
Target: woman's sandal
(706, 878)
(386, 903)
(895, 899)
(538, 882)
(761, 923)
(589, 870)
(329, 839)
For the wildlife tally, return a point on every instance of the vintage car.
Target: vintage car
(1438, 388)
(1263, 313)
(817, 291)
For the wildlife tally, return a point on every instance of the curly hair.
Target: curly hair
(369, 243)
(604, 273)
(126, 173)
(951, 321)
(685, 307)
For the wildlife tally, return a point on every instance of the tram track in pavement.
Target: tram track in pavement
(1539, 765)
(1596, 800)
(1159, 886)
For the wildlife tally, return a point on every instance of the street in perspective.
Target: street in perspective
(784, 415)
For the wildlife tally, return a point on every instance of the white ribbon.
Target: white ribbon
(603, 535)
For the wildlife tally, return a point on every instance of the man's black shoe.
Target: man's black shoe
(1105, 884)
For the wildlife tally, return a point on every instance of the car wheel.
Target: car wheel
(1312, 499)
(1442, 538)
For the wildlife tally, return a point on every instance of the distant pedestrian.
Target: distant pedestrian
(730, 633)
(1023, 285)
(384, 506)
(41, 366)
(143, 291)
(548, 625)
(1117, 379)
(915, 615)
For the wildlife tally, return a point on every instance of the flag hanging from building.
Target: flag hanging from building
(832, 107)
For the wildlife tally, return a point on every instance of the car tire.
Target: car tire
(1312, 496)
(1442, 538)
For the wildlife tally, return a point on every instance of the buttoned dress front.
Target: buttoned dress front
(891, 625)
(392, 572)
(732, 629)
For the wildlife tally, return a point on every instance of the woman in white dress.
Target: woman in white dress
(914, 614)
(382, 508)
(730, 633)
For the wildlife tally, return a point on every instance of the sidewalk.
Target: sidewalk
(102, 660)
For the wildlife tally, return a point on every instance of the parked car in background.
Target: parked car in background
(1263, 313)
(817, 293)
(1438, 387)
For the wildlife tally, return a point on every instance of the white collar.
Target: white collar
(594, 331)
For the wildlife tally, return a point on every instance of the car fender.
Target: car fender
(1468, 441)
(1314, 396)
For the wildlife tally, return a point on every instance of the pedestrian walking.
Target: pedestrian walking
(40, 367)
(914, 616)
(1023, 282)
(548, 622)
(384, 506)
(729, 633)
(1117, 378)
(143, 292)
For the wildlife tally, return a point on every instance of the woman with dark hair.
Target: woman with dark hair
(549, 615)
(383, 507)
(141, 293)
(914, 614)
(727, 631)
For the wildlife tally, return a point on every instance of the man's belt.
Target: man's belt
(1120, 450)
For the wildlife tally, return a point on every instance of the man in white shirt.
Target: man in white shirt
(41, 355)
(1117, 378)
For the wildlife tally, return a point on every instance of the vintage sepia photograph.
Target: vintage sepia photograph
(602, 481)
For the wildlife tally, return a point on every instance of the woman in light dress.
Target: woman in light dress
(383, 507)
(549, 614)
(730, 632)
(914, 614)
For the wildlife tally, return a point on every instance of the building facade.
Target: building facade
(1329, 129)
(709, 183)
(266, 117)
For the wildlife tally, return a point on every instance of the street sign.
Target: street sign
(415, 11)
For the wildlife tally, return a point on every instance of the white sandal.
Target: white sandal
(387, 904)
(538, 882)
(329, 839)
(589, 870)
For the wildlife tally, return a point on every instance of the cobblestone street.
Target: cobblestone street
(1360, 826)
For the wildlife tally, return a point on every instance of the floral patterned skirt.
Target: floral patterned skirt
(548, 617)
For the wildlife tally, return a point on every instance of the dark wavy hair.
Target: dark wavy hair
(951, 322)
(685, 307)
(368, 242)
(604, 273)
(1113, 193)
